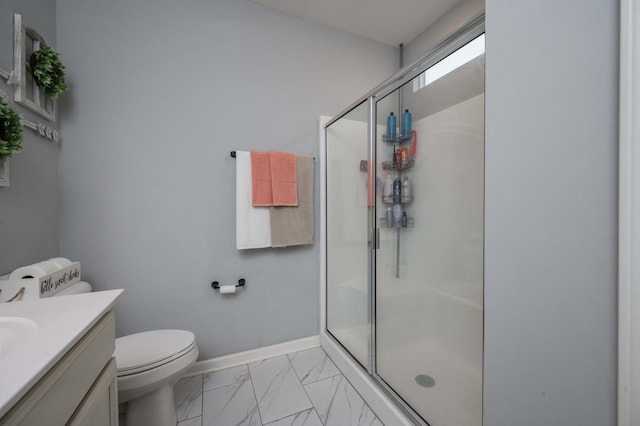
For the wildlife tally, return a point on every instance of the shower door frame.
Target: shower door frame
(388, 405)
(629, 223)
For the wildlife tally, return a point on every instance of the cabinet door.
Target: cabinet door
(100, 405)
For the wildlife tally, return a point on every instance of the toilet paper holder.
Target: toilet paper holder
(216, 285)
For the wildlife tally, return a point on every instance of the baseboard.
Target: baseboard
(240, 358)
(381, 405)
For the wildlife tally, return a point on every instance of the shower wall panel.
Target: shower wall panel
(429, 320)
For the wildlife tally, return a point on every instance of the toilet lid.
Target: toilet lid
(144, 350)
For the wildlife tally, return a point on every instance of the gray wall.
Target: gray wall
(551, 197)
(162, 92)
(447, 24)
(29, 206)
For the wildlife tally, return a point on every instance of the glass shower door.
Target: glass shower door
(429, 262)
(349, 198)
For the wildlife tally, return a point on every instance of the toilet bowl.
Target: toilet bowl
(148, 365)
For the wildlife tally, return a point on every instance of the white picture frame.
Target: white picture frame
(26, 92)
(4, 173)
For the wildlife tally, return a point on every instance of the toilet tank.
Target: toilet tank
(77, 288)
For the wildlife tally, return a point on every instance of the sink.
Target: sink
(14, 331)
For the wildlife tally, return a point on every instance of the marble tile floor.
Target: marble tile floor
(298, 389)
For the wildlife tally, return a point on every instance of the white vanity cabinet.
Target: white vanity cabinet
(76, 387)
(80, 389)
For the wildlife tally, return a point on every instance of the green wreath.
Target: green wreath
(11, 132)
(48, 71)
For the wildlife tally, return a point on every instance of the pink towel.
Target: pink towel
(261, 194)
(284, 184)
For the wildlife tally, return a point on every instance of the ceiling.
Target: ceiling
(387, 21)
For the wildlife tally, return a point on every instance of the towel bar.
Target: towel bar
(233, 155)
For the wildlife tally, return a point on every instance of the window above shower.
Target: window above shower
(454, 79)
(460, 58)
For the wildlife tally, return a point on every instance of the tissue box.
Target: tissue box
(46, 286)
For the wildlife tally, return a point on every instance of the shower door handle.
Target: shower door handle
(374, 238)
(377, 238)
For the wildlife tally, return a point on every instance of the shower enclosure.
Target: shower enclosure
(403, 272)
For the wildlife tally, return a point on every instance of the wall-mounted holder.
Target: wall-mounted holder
(228, 288)
(44, 131)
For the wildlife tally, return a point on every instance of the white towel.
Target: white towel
(253, 224)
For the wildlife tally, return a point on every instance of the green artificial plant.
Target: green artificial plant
(48, 71)
(11, 132)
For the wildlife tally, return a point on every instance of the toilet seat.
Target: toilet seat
(144, 351)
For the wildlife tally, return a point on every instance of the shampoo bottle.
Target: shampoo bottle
(397, 208)
(406, 124)
(406, 190)
(391, 127)
(387, 190)
(397, 190)
(388, 217)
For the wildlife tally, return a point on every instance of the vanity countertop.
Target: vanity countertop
(35, 335)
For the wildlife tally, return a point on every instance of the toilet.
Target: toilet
(149, 364)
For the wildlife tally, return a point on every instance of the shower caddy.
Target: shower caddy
(403, 158)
